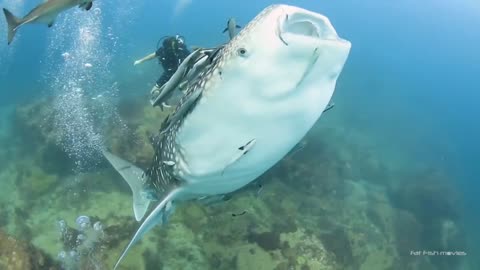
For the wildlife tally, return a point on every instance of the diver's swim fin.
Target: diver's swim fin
(135, 179)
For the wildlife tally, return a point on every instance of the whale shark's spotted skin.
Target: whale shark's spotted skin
(164, 177)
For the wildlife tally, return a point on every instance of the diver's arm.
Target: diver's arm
(146, 58)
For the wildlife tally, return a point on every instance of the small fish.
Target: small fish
(167, 89)
(213, 53)
(231, 27)
(260, 189)
(43, 13)
(329, 107)
(242, 150)
(239, 214)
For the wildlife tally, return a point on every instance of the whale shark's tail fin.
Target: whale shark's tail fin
(13, 24)
(135, 179)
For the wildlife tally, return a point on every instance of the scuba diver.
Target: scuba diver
(170, 55)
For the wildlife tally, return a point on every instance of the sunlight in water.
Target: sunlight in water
(180, 6)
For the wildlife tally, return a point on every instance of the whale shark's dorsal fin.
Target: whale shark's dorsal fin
(135, 178)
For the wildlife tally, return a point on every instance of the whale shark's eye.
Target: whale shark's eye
(242, 51)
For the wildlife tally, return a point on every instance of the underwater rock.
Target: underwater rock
(375, 217)
(407, 238)
(429, 220)
(258, 260)
(267, 240)
(18, 255)
(115, 234)
(33, 181)
(429, 195)
(36, 135)
(305, 250)
(338, 243)
(179, 249)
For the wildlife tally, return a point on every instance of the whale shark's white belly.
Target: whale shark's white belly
(227, 118)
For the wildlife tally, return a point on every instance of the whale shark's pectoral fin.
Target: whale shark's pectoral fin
(135, 178)
(50, 24)
(225, 30)
(157, 216)
(238, 26)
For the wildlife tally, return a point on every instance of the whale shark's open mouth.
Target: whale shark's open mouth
(305, 28)
(307, 25)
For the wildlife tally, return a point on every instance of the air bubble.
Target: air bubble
(62, 255)
(98, 226)
(83, 223)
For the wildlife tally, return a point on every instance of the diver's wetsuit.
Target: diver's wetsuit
(171, 55)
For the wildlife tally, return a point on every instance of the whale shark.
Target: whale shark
(240, 114)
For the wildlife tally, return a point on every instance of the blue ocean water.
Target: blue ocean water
(410, 86)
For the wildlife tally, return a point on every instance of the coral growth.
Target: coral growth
(430, 221)
(323, 207)
(266, 240)
(429, 195)
(34, 181)
(37, 136)
(18, 255)
(338, 243)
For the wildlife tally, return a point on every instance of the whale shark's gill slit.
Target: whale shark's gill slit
(315, 55)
